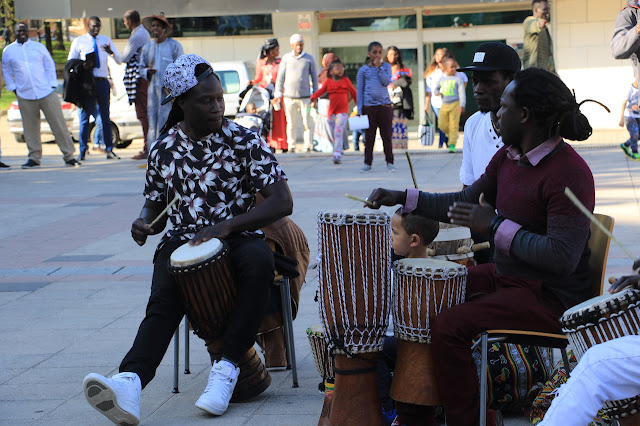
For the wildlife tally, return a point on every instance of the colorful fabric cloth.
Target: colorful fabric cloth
(543, 394)
(399, 130)
(512, 370)
(215, 178)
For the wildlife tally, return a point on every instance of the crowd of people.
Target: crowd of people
(383, 90)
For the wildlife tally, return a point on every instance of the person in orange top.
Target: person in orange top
(339, 87)
(266, 74)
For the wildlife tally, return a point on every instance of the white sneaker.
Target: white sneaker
(222, 382)
(118, 398)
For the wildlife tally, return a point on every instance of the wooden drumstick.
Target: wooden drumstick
(362, 200)
(413, 175)
(164, 211)
(593, 219)
(474, 248)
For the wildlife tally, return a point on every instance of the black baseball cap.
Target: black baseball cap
(494, 56)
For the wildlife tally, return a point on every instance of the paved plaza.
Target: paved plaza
(74, 285)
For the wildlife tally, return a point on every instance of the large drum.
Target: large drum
(601, 319)
(208, 290)
(355, 254)
(450, 238)
(423, 288)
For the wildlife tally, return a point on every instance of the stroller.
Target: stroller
(260, 121)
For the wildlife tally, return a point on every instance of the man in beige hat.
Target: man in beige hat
(154, 59)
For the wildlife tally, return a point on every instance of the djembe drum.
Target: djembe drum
(355, 252)
(324, 364)
(422, 289)
(208, 291)
(450, 240)
(601, 319)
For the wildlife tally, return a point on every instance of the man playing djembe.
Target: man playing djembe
(215, 168)
(540, 237)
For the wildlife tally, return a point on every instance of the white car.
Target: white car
(125, 125)
(235, 77)
(14, 118)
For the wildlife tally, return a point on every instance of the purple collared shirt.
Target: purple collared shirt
(508, 228)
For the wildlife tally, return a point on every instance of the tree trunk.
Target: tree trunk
(59, 36)
(47, 36)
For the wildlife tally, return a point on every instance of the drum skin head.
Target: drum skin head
(599, 301)
(420, 267)
(187, 255)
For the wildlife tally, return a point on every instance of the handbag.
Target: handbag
(359, 122)
(427, 131)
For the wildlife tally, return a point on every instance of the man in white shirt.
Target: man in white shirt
(30, 73)
(493, 68)
(103, 47)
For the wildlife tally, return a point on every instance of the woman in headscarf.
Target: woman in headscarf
(266, 74)
(322, 134)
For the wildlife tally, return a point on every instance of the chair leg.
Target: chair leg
(186, 345)
(287, 319)
(176, 359)
(565, 360)
(484, 349)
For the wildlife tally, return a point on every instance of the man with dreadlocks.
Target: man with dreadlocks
(535, 222)
(215, 168)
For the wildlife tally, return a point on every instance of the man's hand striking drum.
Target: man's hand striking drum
(385, 197)
(627, 280)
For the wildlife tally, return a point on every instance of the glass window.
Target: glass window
(471, 19)
(230, 81)
(375, 23)
(211, 26)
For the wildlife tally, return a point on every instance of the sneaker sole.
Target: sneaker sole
(209, 408)
(101, 397)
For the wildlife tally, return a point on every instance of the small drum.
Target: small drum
(207, 285)
(422, 289)
(598, 320)
(354, 281)
(449, 239)
(324, 364)
(320, 352)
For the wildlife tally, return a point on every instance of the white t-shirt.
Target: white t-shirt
(479, 146)
(431, 83)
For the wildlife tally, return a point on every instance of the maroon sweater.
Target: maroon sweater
(552, 243)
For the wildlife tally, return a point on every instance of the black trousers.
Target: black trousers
(252, 261)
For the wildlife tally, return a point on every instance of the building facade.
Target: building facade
(581, 31)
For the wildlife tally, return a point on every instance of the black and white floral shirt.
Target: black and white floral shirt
(215, 178)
